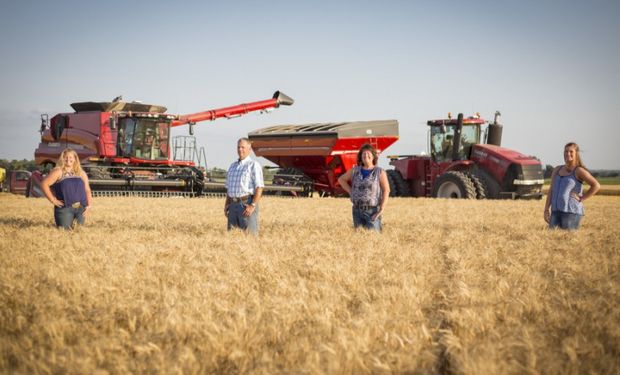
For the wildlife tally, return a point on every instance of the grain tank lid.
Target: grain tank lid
(339, 129)
(116, 107)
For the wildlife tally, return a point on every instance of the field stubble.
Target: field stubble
(159, 285)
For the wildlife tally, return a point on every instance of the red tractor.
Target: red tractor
(126, 147)
(461, 166)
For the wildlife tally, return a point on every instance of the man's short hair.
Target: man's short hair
(244, 139)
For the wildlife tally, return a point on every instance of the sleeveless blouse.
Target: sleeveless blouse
(562, 199)
(70, 189)
(366, 191)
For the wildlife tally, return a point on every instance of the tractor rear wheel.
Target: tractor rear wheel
(402, 189)
(481, 192)
(454, 184)
(491, 186)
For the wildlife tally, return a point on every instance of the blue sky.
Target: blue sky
(551, 67)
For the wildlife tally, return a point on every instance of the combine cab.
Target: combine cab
(317, 154)
(461, 166)
(125, 148)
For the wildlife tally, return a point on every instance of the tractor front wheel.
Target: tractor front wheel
(454, 184)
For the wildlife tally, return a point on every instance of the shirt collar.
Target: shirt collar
(243, 161)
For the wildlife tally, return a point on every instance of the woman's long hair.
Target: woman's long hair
(77, 168)
(367, 147)
(576, 146)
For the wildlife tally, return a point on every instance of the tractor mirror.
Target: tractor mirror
(442, 129)
(191, 128)
(112, 123)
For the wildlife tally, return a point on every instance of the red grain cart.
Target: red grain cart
(320, 153)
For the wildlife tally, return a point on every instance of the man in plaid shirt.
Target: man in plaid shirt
(244, 186)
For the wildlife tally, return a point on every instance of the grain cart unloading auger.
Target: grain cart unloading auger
(125, 148)
(461, 166)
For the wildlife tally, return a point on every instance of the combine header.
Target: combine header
(125, 148)
(318, 154)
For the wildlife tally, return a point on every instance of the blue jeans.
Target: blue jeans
(564, 220)
(236, 218)
(363, 218)
(64, 216)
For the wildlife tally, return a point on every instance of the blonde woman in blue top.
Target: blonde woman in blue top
(66, 187)
(564, 205)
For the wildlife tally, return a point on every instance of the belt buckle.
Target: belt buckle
(76, 205)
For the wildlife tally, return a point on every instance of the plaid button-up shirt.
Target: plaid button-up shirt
(243, 177)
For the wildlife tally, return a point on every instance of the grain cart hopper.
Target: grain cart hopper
(125, 147)
(320, 153)
(461, 166)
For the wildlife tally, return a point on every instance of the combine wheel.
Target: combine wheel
(491, 186)
(453, 184)
(478, 185)
(402, 189)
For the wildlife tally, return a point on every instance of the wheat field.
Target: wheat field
(450, 286)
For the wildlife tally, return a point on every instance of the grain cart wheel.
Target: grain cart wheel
(454, 184)
(481, 192)
(402, 189)
(392, 183)
(491, 186)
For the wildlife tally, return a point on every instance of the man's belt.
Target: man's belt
(240, 199)
(364, 207)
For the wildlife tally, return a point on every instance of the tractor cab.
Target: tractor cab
(445, 136)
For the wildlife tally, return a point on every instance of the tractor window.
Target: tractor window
(442, 142)
(470, 135)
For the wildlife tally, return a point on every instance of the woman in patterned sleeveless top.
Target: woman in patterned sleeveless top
(66, 186)
(368, 187)
(564, 205)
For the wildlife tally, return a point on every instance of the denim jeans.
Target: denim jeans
(236, 218)
(564, 220)
(363, 218)
(64, 216)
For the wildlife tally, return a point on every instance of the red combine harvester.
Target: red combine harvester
(126, 147)
(317, 154)
(460, 166)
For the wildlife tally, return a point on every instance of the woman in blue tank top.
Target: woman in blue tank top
(66, 186)
(369, 189)
(564, 205)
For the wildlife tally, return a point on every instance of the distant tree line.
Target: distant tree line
(23, 164)
(595, 173)
(30, 165)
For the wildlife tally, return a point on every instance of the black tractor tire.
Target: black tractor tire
(392, 183)
(454, 184)
(402, 189)
(491, 187)
(481, 191)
